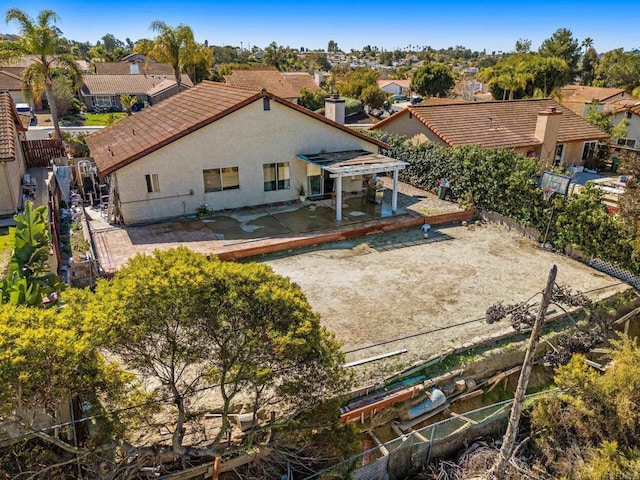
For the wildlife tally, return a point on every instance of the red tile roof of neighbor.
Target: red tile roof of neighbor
(623, 105)
(507, 124)
(584, 94)
(9, 81)
(259, 78)
(574, 97)
(94, 84)
(300, 80)
(9, 119)
(154, 127)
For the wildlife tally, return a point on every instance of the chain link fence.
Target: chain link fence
(408, 454)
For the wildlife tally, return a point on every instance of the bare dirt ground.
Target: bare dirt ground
(383, 287)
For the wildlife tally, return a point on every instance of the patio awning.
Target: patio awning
(353, 162)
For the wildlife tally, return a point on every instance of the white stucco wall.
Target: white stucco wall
(633, 129)
(10, 178)
(247, 138)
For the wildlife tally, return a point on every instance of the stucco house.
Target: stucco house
(626, 109)
(538, 128)
(230, 147)
(103, 92)
(578, 98)
(12, 160)
(395, 87)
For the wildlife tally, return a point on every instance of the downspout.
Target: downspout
(6, 175)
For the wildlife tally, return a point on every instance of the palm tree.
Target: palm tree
(40, 39)
(128, 101)
(200, 56)
(512, 79)
(174, 46)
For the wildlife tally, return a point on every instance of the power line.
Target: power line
(168, 398)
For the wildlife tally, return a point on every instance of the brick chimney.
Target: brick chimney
(334, 108)
(547, 127)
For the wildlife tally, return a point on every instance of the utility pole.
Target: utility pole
(502, 462)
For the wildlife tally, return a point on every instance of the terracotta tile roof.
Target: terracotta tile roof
(441, 101)
(124, 68)
(154, 127)
(300, 80)
(624, 105)
(259, 78)
(508, 124)
(9, 120)
(574, 97)
(94, 84)
(9, 81)
(584, 94)
(161, 87)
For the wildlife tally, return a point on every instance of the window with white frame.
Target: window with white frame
(589, 150)
(277, 176)
(627, 142)
(219, 179)
(557, 159)
(102, 100)
(153, 185)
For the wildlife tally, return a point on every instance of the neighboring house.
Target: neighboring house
(283, 85)
(12, 160)
(395, 87)
(131, 68)
(12, 83)
(228, 147)
(103, 92)
(626, 109)
(540, 128)
(578, 98)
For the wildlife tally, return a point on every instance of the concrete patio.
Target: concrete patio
(254, 231)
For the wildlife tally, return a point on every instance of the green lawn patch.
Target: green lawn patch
(7, 239)
(103, 119)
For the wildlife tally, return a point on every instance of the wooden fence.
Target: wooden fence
(39, 153)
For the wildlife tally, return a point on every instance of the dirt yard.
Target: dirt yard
(386, 286)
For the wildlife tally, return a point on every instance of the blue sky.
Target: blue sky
(352, 24)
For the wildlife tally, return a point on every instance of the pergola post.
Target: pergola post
(339, 198)
(394, 195)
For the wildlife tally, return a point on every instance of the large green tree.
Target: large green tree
(562, 44)
(591, 430)
(619, 69)
(175, 46)
(192, 323)
(41, 39)
(374, 99)
(51, 363)
(432, 80)
(542, 74)
(354, 82)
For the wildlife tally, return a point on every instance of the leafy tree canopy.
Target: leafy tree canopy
(619, 69)
(432, 80)
(189, 323)
(562, 44)
(592, 431)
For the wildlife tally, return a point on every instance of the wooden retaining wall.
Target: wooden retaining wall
(367, 228)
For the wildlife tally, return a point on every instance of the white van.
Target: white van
(24, 109)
